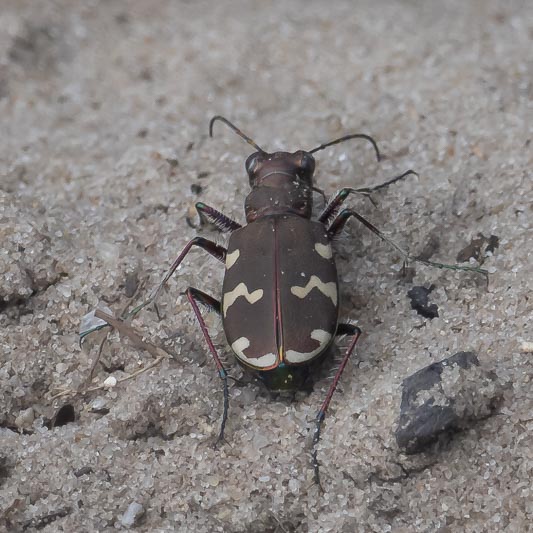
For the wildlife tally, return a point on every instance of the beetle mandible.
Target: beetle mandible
(280, 294)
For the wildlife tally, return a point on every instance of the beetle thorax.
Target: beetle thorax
(278, 195)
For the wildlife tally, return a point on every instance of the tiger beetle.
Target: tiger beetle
(280, 294)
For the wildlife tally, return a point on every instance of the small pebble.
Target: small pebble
(133, 514)
(25, 418)
(65, 290)
(526, 347)
(110, 382)
(98, 405)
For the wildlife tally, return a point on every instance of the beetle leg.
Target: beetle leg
(335, 203)
(209, 215)
(195, 297)
(337, 200)
(340, 220)
(322, 193)
(343, 329)
(209, 246)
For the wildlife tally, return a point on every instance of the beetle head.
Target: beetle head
(261, 166)
(281, 184)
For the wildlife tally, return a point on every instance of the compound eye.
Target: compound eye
(252, 163)
(307, 166)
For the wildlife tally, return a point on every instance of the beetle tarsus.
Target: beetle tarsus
(210, 215)
(316, 437)
(388, 182)
(224, 377)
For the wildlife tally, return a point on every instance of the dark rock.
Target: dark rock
(196, 189)
(420, 302)
(5, 469)
(131, 284)
(444, 397)
(84, 470)
(492, 243)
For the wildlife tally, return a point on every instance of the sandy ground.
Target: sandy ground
(104, 109)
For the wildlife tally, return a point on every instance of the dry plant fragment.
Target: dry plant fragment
(158, 352)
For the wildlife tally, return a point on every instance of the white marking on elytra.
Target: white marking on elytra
(324, 250)
(231, 258)
(264, 361)
(239, 345)
(241, 290)
(328, 289)
(320, 335)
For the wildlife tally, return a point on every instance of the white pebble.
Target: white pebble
(526, 347)
(25, 418)
(110, 382)
(133, 513)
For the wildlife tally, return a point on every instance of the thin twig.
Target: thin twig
(125, 329)
(97, 358)
(102, 343)
(67, 392)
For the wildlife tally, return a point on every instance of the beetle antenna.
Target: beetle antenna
(235, 129)
(346, 138)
